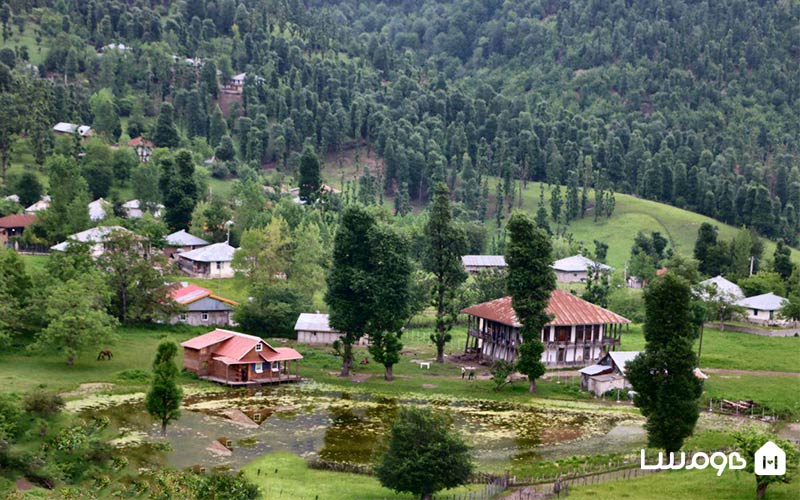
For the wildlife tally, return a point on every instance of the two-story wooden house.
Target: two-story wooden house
(578, 334)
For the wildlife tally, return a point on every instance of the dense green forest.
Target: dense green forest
(689, 103)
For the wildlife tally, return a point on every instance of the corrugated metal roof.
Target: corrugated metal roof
(17, 220)
(594, 370)
(94, 235)
(182, 238)
(210, 338)
(218, 252)
(483, 260)
(764, 302)
(724, 286)
(209, 304)
(566, 309)
(98, 209)
(311, 322)
(578, 263)
(281, 354)
(622, 358)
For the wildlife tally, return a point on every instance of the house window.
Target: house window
(755, 312)
(259, 347)
(204, 316)
(257, 417)
(183, 316)
(219, 265)
(258, 367)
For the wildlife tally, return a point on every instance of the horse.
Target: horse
(105, 354)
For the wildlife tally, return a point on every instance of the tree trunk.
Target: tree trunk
(5, 165)
(532, 385)
(164, 428)
(347, 359)
(389, 376)
(427, 496)
(761, 490)
(439, 348)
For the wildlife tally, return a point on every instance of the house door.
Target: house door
(243, 373)
(587, 352)
(561, 355)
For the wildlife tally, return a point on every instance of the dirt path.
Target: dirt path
(758, 373)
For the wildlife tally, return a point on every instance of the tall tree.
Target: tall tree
(423, 456)
(349, 280)
(310, 181)
(179, 190)
(530, 281)
(106, 115)
(445, 243)
(390, 295)
(163, 400)
(264, 253)
(750, 440)
(166, 134)
(663, 376)
(307, 272)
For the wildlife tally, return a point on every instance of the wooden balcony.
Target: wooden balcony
(276, 379)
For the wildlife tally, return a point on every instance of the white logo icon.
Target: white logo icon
(770, 460)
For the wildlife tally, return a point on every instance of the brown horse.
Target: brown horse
(105, 354)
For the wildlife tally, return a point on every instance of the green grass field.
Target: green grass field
(672, 485)
(285, 475)
(735, 351)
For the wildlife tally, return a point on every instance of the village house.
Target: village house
(725, 289)
(200, 307)
(233, 358)
(474, 264)
(763, 309)
(42, 204)
(235, 83)
(576, 268)
(608, 373)
(211, 261)
(94, 237)
(295, 192)
(133, 209)
(12, 226)
(143, 148)
(98, 209)
(65, 128)
(314, 328)
(180, 242)
(579, 333)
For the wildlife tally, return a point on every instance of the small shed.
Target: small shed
(474, 264)
(608, 373)
(314, 328)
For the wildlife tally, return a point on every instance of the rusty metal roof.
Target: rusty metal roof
(566, 309)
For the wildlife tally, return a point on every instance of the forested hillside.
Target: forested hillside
(690, 103)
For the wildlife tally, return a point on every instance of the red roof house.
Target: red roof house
(234, 358)
(14, 224)
(200, 307)
(578, 333)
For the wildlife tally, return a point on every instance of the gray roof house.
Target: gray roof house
(576, 268)
(725, 288)
(94, 237)
(763, 309)
(608, 373)
(201, 307)
(180, 242)
(211, 261)
(478, 263)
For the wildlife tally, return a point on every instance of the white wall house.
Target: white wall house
(576, 268)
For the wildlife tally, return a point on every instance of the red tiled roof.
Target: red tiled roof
(208, 339)
(17, 220)
(566, 309)
(662, 271)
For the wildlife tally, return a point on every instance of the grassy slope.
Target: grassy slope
(685, 484)
(295, 480)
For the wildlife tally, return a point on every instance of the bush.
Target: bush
(9, 417)
(43, 404)
(133, 375)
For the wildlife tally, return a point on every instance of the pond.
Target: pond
(231, 428)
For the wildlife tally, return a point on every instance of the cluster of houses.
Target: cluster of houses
(763, 309)
(574, 269)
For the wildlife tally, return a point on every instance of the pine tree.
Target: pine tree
(541, 212)
(310, 180)
(163, 400)
(166, 134)
(530, 282)
(556, 203)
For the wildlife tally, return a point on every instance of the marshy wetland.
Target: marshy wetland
(233, 427)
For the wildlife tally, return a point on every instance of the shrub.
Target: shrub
(133, 375)
(43, 404)
(628, 303)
